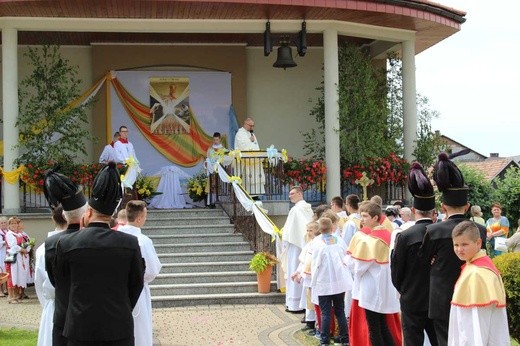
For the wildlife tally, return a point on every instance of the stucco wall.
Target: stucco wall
(279, 100)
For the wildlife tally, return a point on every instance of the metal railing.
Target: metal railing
(275, 189)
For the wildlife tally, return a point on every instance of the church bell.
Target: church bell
(284, 58)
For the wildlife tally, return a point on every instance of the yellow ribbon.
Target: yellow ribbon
(285, 158)
(236, 154)
(13, 176)
(234, 178)
(277, 231)
(130, 161)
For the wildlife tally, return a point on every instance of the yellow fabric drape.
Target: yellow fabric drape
(12, 176)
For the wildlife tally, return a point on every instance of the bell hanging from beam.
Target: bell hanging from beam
(284, 58)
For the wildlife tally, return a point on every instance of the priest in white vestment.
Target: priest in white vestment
(136, 213)
(293, 241)
(249, 169)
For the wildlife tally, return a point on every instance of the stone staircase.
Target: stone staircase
(204, 262)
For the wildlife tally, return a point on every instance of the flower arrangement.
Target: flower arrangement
(146, 187)
(197, 187)
(262, 260)
(304, 172)
(83, 174)
(31, 242)
(381, 169)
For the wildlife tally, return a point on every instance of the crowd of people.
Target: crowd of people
(397, 276)
(363, 275)
(93, 284)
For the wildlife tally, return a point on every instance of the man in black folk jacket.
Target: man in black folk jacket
(105, 270)
(438, 244)
(59, 189)
(410, 269)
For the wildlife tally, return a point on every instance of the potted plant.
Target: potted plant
(262, 264)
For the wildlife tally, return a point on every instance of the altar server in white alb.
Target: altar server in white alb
(293, 241)
(42, 284)
(109, 152)
(126, 155)
(136, 214)
(478, 308)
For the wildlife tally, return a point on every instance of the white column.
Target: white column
(409, 99)
(331, 81)
(10, 112)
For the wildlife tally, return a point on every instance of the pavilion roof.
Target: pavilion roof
(433, 22)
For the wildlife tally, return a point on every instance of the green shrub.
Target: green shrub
(509, 266)
(262, 260)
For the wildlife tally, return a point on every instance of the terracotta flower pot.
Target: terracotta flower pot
(264, 280)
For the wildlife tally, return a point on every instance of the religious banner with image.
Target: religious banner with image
(171, 115)
(170, 105)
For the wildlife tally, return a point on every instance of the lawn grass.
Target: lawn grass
(18, 337)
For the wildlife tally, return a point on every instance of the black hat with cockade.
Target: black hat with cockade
(59, 189)
(106, 190)
(421, 188)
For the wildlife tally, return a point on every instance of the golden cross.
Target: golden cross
(365, 182)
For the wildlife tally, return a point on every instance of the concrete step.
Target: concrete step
(204, 262)
(179, 213)
(215, 299)
(214, 256)
(196, 238)
(178, 221)
(201, 247)
(186, 229)
(207, 288)
(204, 277)
(170, 268)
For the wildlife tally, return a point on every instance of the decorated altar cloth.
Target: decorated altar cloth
(172, 197)
(251, 169)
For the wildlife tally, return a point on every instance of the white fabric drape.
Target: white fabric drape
(172, 196)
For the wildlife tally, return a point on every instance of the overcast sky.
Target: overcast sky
(473, 78)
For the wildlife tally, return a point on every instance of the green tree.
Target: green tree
(507, 193)
(428, 143)
(371, 113)
(480, 190)
(49, 130)
(362, 112)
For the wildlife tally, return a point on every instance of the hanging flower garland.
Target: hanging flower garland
(390, 169)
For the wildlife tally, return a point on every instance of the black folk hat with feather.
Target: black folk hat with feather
(59, 189)
(450, 181)
(421, 188)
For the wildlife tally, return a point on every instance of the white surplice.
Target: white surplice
(293, 241)
(142, 313)
(478, 326)
(45, 294)
(125, 151)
